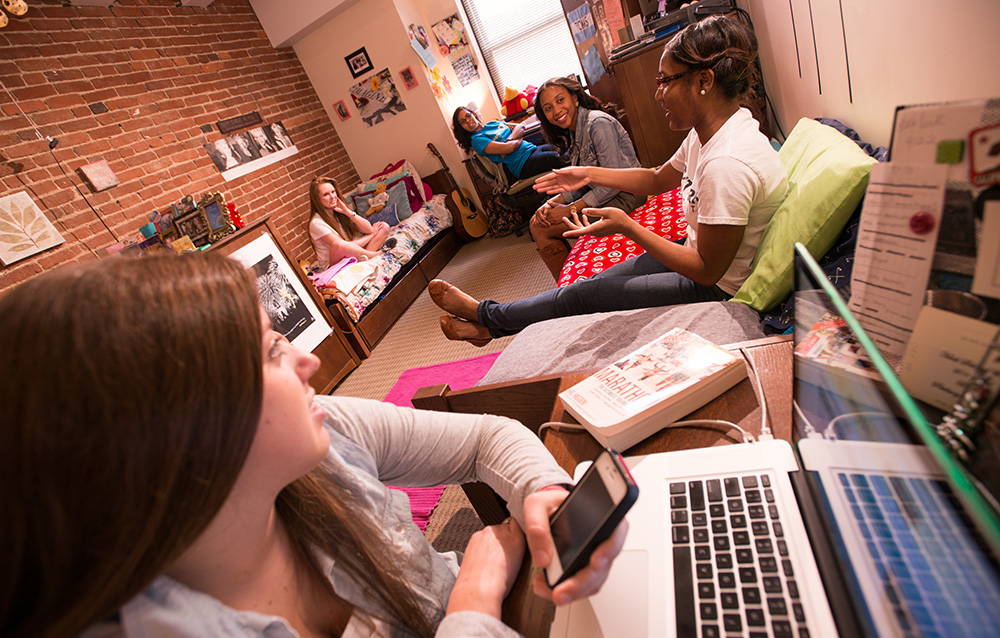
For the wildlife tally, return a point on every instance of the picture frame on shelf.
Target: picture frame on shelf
(342, 112)
(359, 63)
(194, 225)
(409, 79)
(215, 216)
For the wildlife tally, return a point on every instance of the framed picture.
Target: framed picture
(359, 63)
(194, 225)
(282, 294)
(409, 80)
(342, 111)
(218, 221)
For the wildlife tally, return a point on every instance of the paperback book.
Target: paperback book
(652, 387)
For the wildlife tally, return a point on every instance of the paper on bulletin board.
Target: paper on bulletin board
(945, 350)
(424, 52)
(941, 134)
(592, 65)
(986, 280)
(896, 238)
(581, 23)
(465, 69)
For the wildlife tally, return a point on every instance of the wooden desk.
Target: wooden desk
(535, 401)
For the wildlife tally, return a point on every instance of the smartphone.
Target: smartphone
(590, 513)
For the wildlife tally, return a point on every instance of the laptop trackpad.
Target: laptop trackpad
(621, 608)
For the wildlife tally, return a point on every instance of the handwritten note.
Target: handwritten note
(899, 227)
(943, 354)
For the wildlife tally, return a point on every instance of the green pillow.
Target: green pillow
(827, 175)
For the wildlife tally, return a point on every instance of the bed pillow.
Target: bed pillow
(395, 195)
(827, 176)
(393, 173)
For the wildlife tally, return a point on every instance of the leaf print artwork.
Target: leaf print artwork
(24, 229)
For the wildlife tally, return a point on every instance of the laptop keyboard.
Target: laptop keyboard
(732, 571)
(931, 569)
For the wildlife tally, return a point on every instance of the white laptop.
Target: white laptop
(865, 529)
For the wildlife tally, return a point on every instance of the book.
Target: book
(627, 401)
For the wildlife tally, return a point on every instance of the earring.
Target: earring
(703, 91)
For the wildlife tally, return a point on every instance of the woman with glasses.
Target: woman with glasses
(731, 181)
(586, 133)
(502, 144)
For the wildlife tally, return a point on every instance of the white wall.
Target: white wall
(287, 21)
(377, 26)
(897, 52)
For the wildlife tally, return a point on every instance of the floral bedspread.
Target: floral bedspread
(357, 285)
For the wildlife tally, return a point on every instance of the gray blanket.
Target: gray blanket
(591, 341)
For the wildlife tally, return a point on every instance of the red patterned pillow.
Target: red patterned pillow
(590, 255)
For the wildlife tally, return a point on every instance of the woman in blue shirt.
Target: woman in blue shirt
(503, 145)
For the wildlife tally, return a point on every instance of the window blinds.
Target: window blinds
(523, 41)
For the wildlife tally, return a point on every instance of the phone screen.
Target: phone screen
(584, 511)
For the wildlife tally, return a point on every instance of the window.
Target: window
(523, 41)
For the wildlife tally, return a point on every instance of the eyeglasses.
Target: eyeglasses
(664, 81)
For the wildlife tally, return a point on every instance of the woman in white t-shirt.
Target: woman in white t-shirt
(731, 181)
(337, 231)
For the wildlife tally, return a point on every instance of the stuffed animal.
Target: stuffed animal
(514, 101)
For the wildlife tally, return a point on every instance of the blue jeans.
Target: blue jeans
(641, 282)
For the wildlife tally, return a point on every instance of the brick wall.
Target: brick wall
(166, 74)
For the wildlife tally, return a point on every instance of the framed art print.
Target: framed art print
(409, 80)
(341, 109)
(359, 63)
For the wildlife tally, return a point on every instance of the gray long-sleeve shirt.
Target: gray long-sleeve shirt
(372, 444)
(600, 141)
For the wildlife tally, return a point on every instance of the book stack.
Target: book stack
(626, 402)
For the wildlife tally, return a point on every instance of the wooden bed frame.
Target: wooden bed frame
(405, 287)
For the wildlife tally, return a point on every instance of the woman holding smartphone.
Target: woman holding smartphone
(168, 471)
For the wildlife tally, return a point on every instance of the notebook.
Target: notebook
(866, 527)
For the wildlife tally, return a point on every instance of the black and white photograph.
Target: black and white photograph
(282, 294)
(265, 145)
(359, 63)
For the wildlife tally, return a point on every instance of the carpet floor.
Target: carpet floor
(504, 268)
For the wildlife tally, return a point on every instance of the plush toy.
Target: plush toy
(514, 101)
(376, 203)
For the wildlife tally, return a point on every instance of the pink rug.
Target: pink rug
(458, 375)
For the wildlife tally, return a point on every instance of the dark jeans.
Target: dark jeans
(544, 158)
(641, 282)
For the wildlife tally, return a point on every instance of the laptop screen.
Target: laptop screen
(915, 532)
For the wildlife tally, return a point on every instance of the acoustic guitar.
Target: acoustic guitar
(468, 221)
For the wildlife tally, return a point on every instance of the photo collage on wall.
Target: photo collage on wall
(453, 44)
(241, 148)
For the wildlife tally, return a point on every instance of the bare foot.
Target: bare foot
(452, 300)
(458, 329)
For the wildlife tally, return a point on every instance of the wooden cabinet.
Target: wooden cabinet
(337, 358)
(654, 141)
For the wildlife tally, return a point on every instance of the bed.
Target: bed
(364, 299)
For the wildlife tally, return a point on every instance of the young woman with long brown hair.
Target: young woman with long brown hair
(168, 471)
(336, 231)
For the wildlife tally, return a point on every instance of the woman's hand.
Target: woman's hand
(491, 562)
(609, 221)
(538, 507)
(563, 180)
(546, 214)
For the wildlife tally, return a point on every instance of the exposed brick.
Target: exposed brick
(162, 72)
